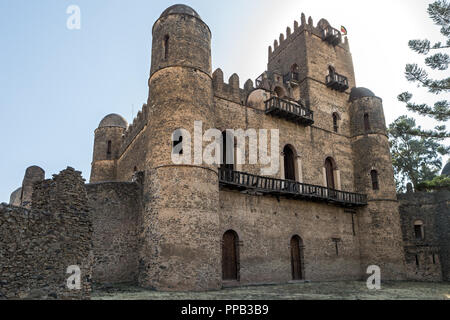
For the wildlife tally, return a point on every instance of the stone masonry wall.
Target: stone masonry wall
(433, 251)
(38, 245)
(116, 215)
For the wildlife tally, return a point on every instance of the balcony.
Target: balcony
(332, 36)
(290, 189)
(284, 109)
(292, 78)
(337, 82)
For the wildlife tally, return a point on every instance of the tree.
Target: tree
(439, 12)
(415, 159)
(438, 183)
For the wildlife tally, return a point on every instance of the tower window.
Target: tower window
(108, 151)
(417, 260)
(419, 230)
(289, 163)
(336, 243)
(227, 151)
(366, 122)
(434, 259)
(329, 171)
(374, 176)
(176, 143)
(166, 47)
(335, 122)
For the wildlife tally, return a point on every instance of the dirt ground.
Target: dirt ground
(300, 291)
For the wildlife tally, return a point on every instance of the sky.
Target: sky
(57, 84)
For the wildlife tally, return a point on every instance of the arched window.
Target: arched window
(289, 163)
(336, 122)
(227, 151)
(419, 230)
(297, 258)
(295, 72)
(177, 143)
(166, 47)
(366, 122)
(331, 72)
(279, 92)
(329, 170)
(109, 150)
(230, 256)
(374, 176)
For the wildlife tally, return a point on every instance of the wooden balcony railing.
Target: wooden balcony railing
(332, 36)
(284, 109)
(290, 189)
(337, 82)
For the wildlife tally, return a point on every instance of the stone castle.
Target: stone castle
(329, 213)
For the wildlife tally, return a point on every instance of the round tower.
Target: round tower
(181, 240)
(107, 142)
(379, 222)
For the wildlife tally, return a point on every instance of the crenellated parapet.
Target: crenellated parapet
(231, 90)
(139, 123)
(322, 30)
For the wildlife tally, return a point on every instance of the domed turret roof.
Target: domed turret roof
(180, 8)
(446, 170)
(113, 120)
(360, 92)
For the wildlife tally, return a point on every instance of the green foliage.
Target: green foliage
(437, 183)
(439, 12)
(415, 158)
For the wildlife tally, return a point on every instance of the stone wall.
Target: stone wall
(433, 251)
(116, 208)
(38, 245)
(265, 226)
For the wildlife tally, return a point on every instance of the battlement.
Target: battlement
(322, 30)
(139, 123)
(231, 90)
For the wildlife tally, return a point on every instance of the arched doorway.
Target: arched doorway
(279, 92)
(230, 255)
(296, 258)
(289, 163)
(329, 170)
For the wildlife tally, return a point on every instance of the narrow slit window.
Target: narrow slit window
(417, 260)
(374, 176)
(108, 151)
(335, 123)
(166, 47)
(366, 122)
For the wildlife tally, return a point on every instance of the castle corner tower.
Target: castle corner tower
(181, 242)
(379, 222)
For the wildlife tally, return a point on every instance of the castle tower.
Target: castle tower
(313, 60)
(379, 222)
(181, 241)
(108, 139)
